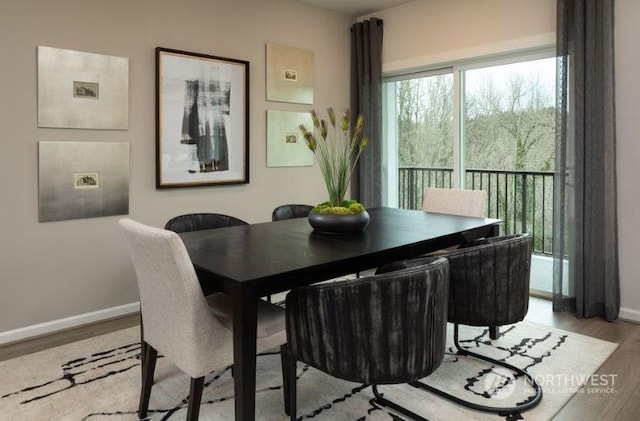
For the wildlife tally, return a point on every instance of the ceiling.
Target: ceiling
(355, 7)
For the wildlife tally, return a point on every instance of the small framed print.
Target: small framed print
(290, 138)
(289, 74)
(88, 90)
(86, 180)
(202, 120)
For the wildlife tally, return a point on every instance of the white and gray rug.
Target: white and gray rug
(99, 379)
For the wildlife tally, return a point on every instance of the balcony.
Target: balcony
(522, 199)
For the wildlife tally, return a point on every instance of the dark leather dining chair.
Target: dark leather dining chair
(290, 212)
(201, 221)
(489, 286)
(383, 329)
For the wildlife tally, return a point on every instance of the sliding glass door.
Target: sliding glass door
(483, 125)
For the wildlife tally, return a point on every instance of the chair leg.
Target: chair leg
(380, 400)
(284, 361)
(526, 405)
(148, 368)
(494, 332)
(143, 348)
(195, 397)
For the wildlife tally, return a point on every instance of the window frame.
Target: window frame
(457, 68)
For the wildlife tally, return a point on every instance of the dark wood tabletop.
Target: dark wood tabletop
(250, 261)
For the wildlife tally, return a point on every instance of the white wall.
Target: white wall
(441, 31)
(55, 270)
(426, 33)
(628, 136)
(50, 271)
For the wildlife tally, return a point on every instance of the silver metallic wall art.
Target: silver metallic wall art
(285, 145)
(82, 180)
(82, 90)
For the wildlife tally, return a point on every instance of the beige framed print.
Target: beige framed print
(289, 74)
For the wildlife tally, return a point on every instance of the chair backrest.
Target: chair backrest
(455, 202)
(176, 316)
(489, 280)
(290, 212)
(382, 329)
(201, 221)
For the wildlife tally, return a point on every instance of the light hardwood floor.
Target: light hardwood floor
(623, 365)
(29, 346)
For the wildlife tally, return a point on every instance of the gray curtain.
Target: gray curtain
(366, 99)
(585, 220)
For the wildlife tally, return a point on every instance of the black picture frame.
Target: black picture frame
(202, 119)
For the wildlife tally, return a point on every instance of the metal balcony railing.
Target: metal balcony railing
(522, 199)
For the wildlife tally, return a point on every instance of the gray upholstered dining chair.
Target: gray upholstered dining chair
(489, 286)
(201, 221)
(383, 329)
(455, 201)
(190, 330)
(290, 212)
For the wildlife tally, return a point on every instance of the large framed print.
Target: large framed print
(81, 90)
(202, 119)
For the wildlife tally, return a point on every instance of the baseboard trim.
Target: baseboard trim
(629, 315)
(123, 310)
(53, 326)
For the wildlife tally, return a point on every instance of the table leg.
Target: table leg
(494, 331)
(244, 354)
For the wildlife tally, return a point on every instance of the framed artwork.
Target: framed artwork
(285, 145)
(202, 119)
(82, 180)
(289, 74)
(81, 90)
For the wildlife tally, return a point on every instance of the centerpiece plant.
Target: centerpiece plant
(337, 151)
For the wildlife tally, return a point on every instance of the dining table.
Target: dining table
(248, 262)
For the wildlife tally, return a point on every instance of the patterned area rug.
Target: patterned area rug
(99, 379)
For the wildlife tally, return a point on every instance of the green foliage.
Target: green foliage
(336, 149)
(508, 124)
(425, 121)
(348, 207)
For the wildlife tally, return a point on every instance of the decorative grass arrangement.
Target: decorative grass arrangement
(337, 151)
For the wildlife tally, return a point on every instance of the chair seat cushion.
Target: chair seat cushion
(271, 318)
